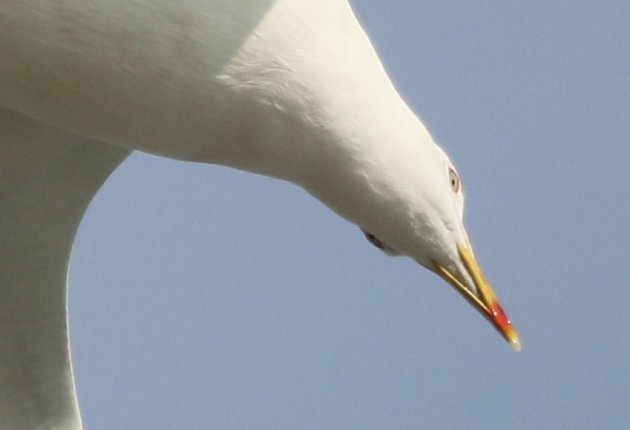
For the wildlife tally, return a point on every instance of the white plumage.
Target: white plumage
(289, 88)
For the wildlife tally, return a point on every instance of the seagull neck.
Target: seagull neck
(310, 100)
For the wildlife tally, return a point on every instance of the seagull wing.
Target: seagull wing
(47, 178)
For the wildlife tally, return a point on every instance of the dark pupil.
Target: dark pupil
(453, 180)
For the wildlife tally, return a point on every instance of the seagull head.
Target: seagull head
(428, 227)
(407, 197)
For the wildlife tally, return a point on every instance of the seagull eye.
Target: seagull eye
(453, 179)
(374, 240)
(379, 243)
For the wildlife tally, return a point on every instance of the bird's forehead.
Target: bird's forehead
(443, 156)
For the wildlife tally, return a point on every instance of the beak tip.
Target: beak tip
(511, 336)
(515, 343)
(504, 326)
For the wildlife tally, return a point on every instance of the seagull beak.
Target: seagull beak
(481, 297)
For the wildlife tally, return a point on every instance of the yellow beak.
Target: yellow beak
(484, 300)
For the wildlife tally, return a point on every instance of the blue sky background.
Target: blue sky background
(203, 297)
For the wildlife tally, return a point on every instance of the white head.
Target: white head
(407, 197)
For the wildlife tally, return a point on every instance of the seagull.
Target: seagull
(291, 89)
